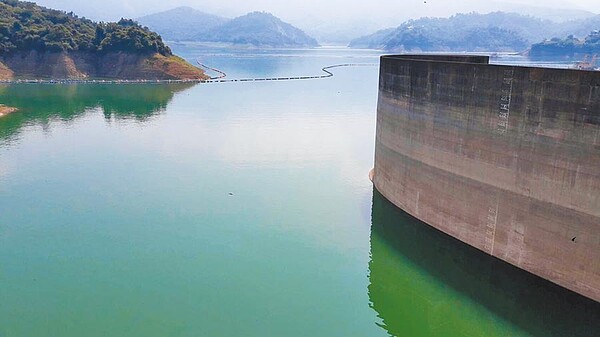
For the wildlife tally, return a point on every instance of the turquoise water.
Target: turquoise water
(234, 209)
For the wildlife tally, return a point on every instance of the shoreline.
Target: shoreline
(84, 81)
(219, 79)
(6, 110)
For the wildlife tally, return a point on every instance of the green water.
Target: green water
(238, 209)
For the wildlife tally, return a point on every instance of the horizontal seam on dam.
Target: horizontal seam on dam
(583, 214)
(434, 161)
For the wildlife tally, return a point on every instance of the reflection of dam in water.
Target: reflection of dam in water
(503, 158)
(426, 283)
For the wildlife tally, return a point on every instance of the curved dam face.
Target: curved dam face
(503, 158)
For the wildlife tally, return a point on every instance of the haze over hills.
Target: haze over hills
(255, 29)
(578, 28)
(259, 29)
(496, 31)
(181, 23)
(343, 30)
(557, 15)
(335, 21)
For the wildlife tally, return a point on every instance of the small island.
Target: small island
(570, 47)
(41, 43)
(6, 110)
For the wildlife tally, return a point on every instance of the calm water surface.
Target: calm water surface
(234, 209)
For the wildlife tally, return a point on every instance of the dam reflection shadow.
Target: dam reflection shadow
(425, 283)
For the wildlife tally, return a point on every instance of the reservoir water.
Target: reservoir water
(235, 209)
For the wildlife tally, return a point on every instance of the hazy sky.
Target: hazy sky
(295, 9)
(321, 18)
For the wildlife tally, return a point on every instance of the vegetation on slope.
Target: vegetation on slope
(496, 31)
(37, 42)
(25, 26)
(182, 23)
(259, 29)
(568, 47)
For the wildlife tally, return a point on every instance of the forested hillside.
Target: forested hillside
(567, 47)
(496, 31)
(259, 29)
(462, 32)
(37, 42)
(256, 29)
(25, 26)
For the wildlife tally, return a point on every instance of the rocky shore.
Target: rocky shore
(6, 110)
(87, 66)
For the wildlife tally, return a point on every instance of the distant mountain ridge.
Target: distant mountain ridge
(182, 23)
(496, 31)
(556, 15)
(578, 28)
(258, 29)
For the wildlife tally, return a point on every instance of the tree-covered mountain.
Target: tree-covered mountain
(40, 42)
(497, 31)
(568, 47)
(182, 23)
(25, 26)
(257, 29)
(376, 40)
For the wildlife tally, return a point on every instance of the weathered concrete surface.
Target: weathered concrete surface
(506, 159)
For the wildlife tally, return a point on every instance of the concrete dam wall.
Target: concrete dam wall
(503, 158)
